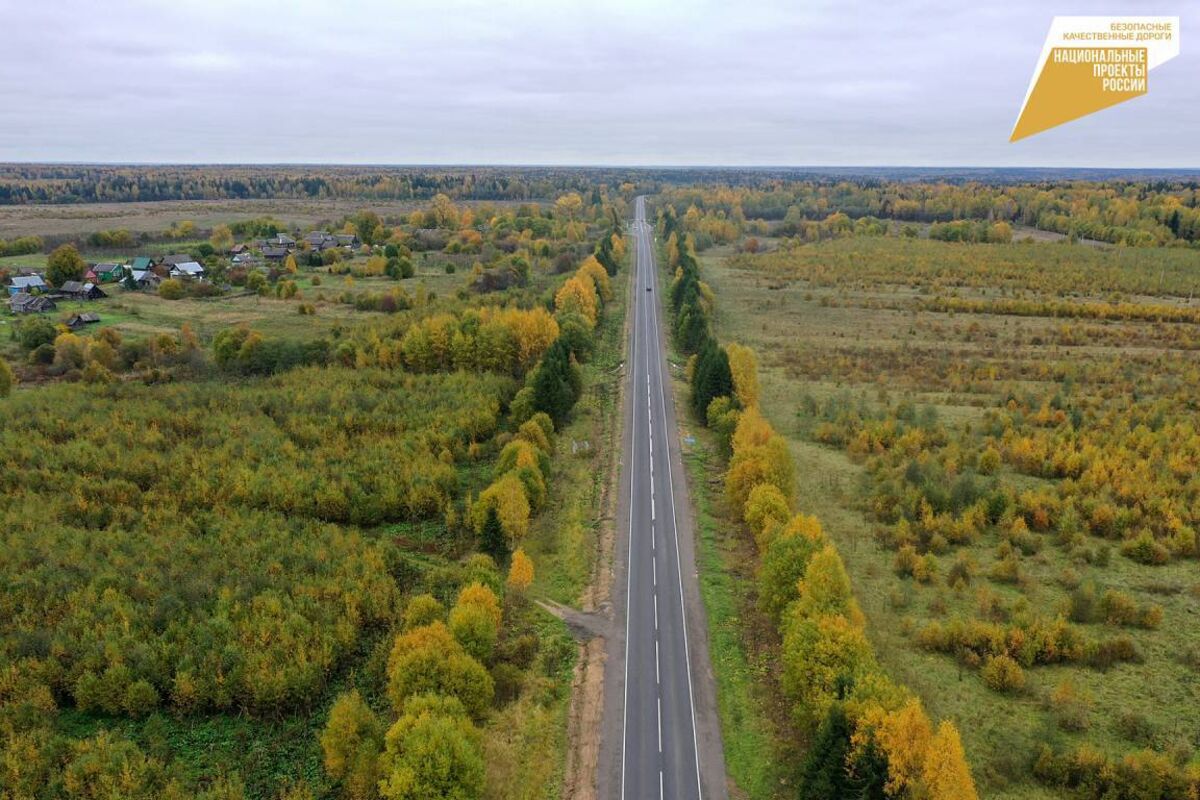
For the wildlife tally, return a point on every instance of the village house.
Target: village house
(27, 284)
(275, 253)
(25, 303)
(281, 240)
(145, 279)
(320, 240)
(141, 264)
(77, 290)
(108, 273)
(175, 259)
(187, 269)
(79, 320)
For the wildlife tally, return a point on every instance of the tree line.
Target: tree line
(866, 735)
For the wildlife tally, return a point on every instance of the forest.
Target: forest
(995, 434)
(290, 560)
(1149, 213)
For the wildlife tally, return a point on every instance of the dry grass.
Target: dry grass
(827, 340)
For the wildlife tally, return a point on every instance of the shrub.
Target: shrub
(170, 289)
(422, 610)
(905, 562)
(1070, 706)
(33, 332)
(429, 659)
(1134, 727)
(1082, 605)
(475, 621)
(1119, 608)
(433, 750)
(1003, 674)
(7, 379)
(351, 744)
(1144, 549)
(989, 461)
(961, 571)
(1103, 655)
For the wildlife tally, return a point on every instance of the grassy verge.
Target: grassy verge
(752, 745)
(526, 742)
(757, 756)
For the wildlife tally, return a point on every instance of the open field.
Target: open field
(154, 217)
(845, 336)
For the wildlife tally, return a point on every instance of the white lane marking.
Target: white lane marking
(656, 623)
(660, 784)
(654, 570)
(671, 489)
(657, 674)
(659, 702)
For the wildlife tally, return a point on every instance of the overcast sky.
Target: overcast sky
(795, 82)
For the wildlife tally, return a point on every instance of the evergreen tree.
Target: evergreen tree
(711, 378)
(556, 383)
(824, 773)
(691, 329)
(492, 539)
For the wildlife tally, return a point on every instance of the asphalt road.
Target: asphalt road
(669, 735)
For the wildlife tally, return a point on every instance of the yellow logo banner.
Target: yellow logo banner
(1091, 63)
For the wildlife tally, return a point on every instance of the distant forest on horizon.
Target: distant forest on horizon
(31, 184)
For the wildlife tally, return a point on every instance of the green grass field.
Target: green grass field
(830, 323)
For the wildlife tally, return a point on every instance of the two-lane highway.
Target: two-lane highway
(661, 751)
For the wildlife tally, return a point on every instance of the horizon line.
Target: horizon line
(587, 166)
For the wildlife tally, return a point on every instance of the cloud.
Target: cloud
(549, 81)
(203, 61)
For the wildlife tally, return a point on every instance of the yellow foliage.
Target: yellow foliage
(507, 495)
(591, 268)
(766, 510)
(618, 248)
(804, 525)
(904, 736)
(945, 770)
(578, 295)
(480, 596)
(825, 588)
(752, 430)
(520, 572)
(769, 463)
(744, 366)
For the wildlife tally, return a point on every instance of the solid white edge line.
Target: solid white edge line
(629, 553)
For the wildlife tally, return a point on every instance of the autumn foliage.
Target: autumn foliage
(868, 731)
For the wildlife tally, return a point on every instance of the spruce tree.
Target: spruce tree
(492, 539)
(554, 388)
(711, 378)
(824, 773)
(691, 328)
